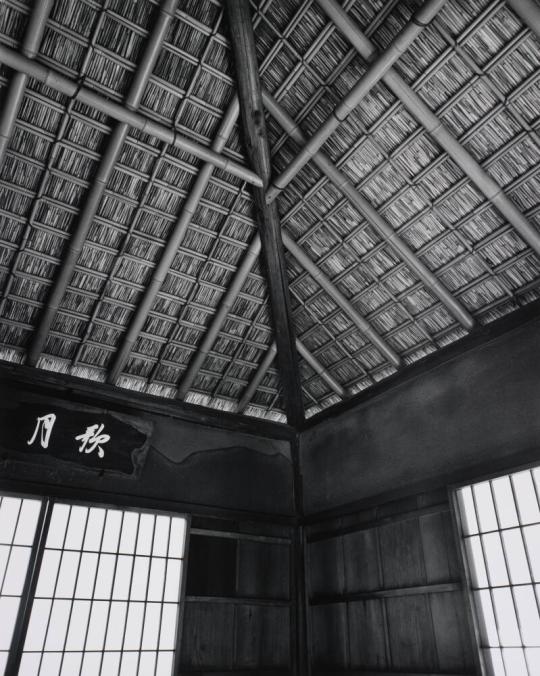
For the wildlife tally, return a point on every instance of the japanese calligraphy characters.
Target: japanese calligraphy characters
(45, 423)
(90, 440)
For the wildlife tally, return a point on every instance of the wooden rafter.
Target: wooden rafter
(256, 142)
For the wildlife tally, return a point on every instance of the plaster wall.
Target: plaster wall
(477, 412)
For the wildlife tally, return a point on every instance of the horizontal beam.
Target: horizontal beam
(93, 393)
(238, 601)
(387, 593)
(64, 85)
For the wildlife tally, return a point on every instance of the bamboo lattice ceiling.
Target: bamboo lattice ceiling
(129, 241)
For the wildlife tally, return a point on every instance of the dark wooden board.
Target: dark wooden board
(262, 637)
(263, 570)
(366, 634)
(361, 561)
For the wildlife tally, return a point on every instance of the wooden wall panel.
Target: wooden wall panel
(327, 568)
(451, 631)
(262, 637)
(367, 634)
(211, 566)
(207, 638)
(329, 627)
(263, 570)
(238, 612)
(440, 552)
(362, 571)
(401, 554)
(410, 633)
(386, 593)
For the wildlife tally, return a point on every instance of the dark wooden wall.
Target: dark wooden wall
(198, 460)
(238, 614)
(385, 591)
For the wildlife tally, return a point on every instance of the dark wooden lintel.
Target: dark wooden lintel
(387, 593)
(238, 600)
(121, 399)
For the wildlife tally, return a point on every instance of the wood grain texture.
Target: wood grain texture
(208, 636)
(412, 641)
(330, 636)
(366, 634)
(361, 561)
(327, 574)
(258, 152)
(262, 637)
(263, 570)
(401, 554)
(452, 637)
(388, 596)
(238, 616)
(440, 552)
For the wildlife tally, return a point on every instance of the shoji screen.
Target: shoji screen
(106, 592)
(500, 524)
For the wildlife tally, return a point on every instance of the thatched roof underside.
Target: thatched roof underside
(476, 65)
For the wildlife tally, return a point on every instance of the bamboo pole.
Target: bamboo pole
(99, 182)
(529, 12)
(119, 112)
(374, 73)
(346, 187)
(173, 243)
(17, 85)
(427, 118)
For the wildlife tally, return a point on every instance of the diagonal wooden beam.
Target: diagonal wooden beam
(258, 151)
(266, 362)
(17, 85)
(372, 216)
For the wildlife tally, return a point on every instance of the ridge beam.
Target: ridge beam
(258, 152)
